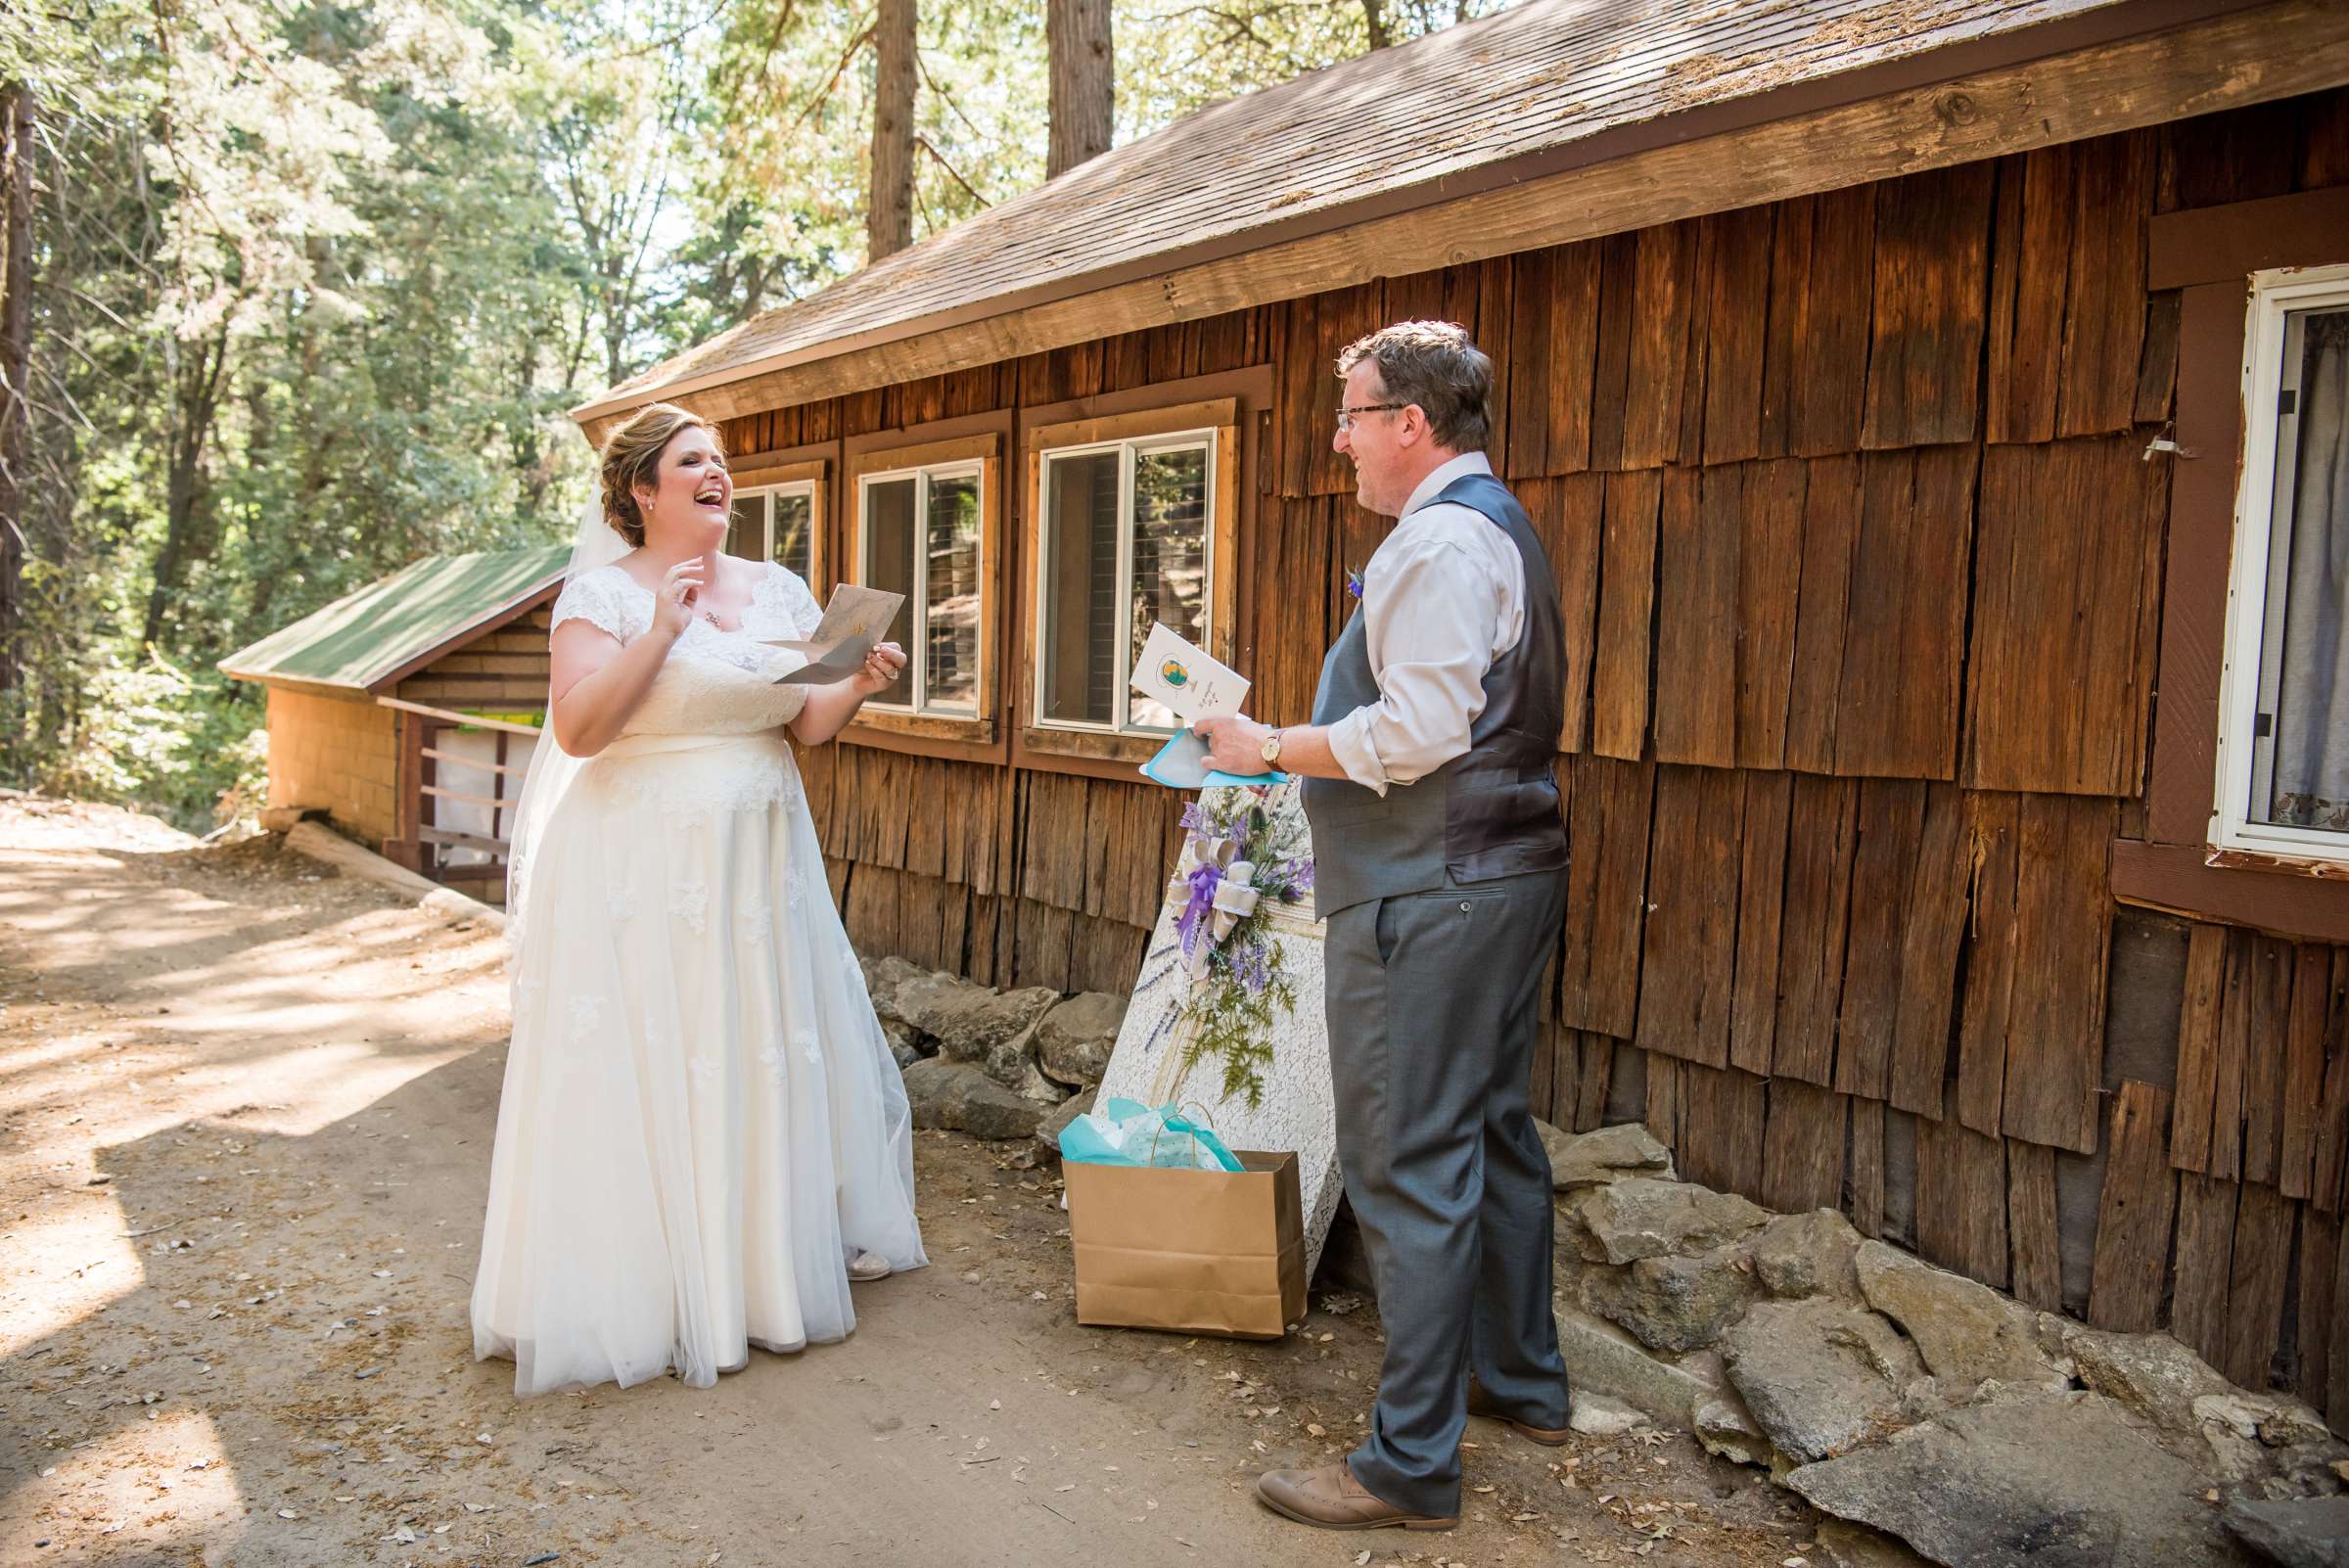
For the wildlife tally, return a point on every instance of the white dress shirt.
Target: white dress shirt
(1442, 598)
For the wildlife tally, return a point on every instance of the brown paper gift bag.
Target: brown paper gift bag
(1195, 1252)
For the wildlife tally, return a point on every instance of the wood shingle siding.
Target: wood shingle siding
(1863, 561)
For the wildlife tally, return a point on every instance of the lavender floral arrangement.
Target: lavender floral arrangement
(1239, 861)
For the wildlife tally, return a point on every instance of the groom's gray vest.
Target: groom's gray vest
(1490, 812)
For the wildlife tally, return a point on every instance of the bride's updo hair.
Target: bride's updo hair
(632, 457)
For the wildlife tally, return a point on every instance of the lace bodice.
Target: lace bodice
(714, 682)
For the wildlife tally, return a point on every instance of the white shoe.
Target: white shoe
(867, 1266)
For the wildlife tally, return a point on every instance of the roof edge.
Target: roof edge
(2122, 22)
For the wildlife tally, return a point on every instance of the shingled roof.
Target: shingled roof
(1546, 86)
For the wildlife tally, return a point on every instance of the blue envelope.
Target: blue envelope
(1181, 764)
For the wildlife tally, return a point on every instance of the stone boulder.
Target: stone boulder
(903, 990)
(1602, 1416)
(1844, 1544)
(960, 1097)
(1673, 1304)
(1641, 1216)
(2034, 1480)
(905, 1041)
(1807, 1255)
(1049, 1129)
(1073, 1042)
(1967, 1333)
(1012, 1064)
(1579, 1160)
(1601, 1358)
(1726, 1427)
(2311, 1533)
(969, 1022)
(1820, 1377)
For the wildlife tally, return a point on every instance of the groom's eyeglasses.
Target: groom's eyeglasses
(1345, 415)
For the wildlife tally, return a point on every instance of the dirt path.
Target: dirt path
(245, 1121)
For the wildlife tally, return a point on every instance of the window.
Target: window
(776, 523)
(2284, 721)
(921, 533)
(1126, 542)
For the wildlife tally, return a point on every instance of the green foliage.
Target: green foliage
(317, 280)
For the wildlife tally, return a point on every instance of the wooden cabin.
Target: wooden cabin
(1877, 374)
(407, 711)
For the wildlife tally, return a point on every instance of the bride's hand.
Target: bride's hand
(672, 606)
(882, 667)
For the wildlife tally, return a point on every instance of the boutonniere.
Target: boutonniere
(1354, 582)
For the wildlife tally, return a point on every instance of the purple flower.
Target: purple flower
(1194, 820)
(1251, 964)
(1354, 582)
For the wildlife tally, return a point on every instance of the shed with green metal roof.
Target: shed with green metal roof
(406, 712)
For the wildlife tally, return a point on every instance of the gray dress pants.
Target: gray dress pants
(1432, 1022)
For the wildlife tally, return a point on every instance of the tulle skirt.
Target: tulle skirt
(701, 1122)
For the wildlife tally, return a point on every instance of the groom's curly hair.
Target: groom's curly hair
(1437, 366)
(631, 457)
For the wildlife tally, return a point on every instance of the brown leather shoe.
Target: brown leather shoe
(1481, 1403)
(1329, 1498)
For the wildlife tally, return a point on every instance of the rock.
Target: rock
(2035, 1479)
(1807, 1255)
(962, 1099)
(1049, 1129)
(904, 1040)
(1820, 1376)
(1073, 1042)
(969, 1022)
(1601, 1358)
(1673, 1304)
(1602, 1416)
(1967, 1333)
(1844, 1544)
(1639, 1217)
(1609, 1154)
(2310, 1534)
(1726, 1427)
(2151, 1374)
(1012, 1064)
(901, 991)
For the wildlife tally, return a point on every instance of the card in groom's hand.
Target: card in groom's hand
(1180, 673)
(857, 619)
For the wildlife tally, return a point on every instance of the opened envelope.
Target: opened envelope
(854, 622)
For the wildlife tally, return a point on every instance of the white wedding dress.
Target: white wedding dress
(701, 1122)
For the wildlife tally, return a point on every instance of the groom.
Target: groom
(1440, 867)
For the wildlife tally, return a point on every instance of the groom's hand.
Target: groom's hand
(1235, 743)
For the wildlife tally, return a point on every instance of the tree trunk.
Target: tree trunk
(16, 360)
(889, 219)
(1374, 17)
(198, 399)
(1083, 81)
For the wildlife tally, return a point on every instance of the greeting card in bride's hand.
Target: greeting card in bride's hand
(857, 619)
(1179, 673)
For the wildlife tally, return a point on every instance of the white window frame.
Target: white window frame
(1132, 450)
(2252, 594)
(917, 670)
(806, 490)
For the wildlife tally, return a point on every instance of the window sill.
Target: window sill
(924, 726)
(1097, 745)
(2290, 865)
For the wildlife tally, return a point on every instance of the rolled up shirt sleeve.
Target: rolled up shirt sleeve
(1430, 614)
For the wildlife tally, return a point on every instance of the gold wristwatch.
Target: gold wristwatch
(1271, 750)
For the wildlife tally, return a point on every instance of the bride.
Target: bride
(702, 1138)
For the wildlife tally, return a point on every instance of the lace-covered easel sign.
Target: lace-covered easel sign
(1226, 1012)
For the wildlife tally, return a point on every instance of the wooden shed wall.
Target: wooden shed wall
(337, 754)
(1861, 555)
(505, 670)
